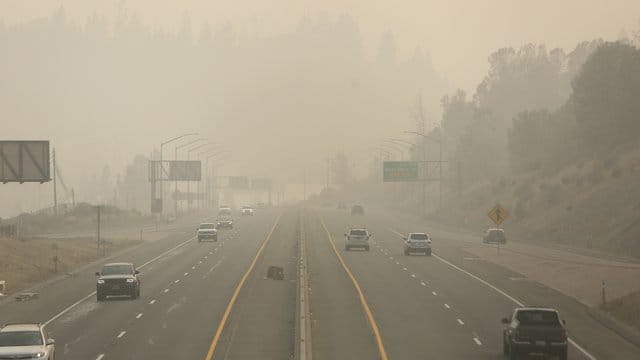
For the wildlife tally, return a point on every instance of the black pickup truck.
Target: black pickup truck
(534, 330)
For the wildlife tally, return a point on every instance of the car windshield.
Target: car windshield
(116, 270)
(419, 237)
(358, 232)
(538, 317)
(20, 338)
(207, 226)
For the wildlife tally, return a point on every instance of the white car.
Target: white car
(247, 210)
(207, 231)
(26, 341)
(357, 238)
(417, 242)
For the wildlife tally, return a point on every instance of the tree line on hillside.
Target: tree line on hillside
(540, 110)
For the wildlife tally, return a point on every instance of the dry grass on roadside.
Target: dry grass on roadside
(26, 263)
(626, 309)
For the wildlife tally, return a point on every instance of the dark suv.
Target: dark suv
(494, 236)
(534, 330)
(118, 279)
(357, 210)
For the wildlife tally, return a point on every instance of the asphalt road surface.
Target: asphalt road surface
(214, 300)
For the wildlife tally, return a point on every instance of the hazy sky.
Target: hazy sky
(459, 34)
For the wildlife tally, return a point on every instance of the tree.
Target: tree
(605, 97)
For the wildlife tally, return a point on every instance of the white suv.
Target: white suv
(357, 238)
(417, 242)
(26, 341)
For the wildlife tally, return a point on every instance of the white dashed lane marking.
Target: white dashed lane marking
(460, 322)
(423, 283)
(100, 357)
(152, 302)
(121, 334)
(177, 281)
(166, 291)
(434, 293)
(477, 341)
(185, 274)
(447, 306)
(139, 316)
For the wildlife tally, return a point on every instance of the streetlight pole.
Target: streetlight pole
(439, 141)
(207, 184)
(206, 172)
(394, 146)
(162, 144)
(175, 157)
(189, 158)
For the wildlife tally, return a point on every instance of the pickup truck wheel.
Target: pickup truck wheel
(505, 347)
(513, 355)
(428, 253)
(563, 355)
(100, 297)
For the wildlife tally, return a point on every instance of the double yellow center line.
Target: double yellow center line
(232, 302)
(363, 301)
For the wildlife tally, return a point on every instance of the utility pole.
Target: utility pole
(98, 208)
(55, 185)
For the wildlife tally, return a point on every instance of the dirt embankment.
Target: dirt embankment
(24, 263)
(591, 204)
(626, 309)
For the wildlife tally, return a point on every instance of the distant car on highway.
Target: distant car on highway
(494, 236)
(247, 211)
(224, 211)
(357, 238)
(224, 222)
(26, 341)
(261, 205)
(534, 330)
(207, 231)
(117, 279)
(357, 210)
(417, 243)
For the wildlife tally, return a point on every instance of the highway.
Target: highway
(214, 300)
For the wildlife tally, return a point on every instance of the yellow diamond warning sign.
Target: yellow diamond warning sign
(498, 214)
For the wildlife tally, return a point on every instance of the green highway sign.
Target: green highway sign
(400, 171)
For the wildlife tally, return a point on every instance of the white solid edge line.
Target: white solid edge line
(55, 317)
(514, 300)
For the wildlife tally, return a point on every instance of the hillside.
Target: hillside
(591, 204)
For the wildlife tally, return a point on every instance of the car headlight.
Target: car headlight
(100, 281)
(41, 354)
(130, 280)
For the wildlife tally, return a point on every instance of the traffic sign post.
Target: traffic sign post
(498, 215)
